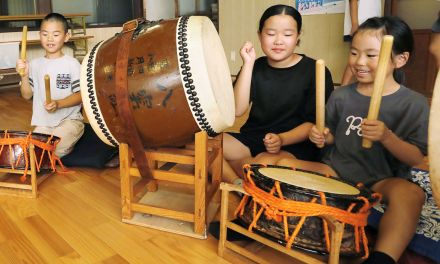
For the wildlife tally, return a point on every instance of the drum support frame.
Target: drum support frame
(156, 209)
(10, 185)
(336, 232)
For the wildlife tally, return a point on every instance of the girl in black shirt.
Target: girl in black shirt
(281, 88)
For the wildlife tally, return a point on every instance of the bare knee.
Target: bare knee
(287, 162)
(272, 159)
(416, 194)
(400, 191)
(233, 149)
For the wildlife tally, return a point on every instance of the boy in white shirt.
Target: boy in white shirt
(62, 116)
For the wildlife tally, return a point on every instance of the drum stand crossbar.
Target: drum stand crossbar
(165, 206)
(10, 185)
(336, 232)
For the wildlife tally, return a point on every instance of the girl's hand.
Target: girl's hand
(375, 130)
(51, 107)
(247, 52)
(22, 64)
(273, 143)
(317, 137)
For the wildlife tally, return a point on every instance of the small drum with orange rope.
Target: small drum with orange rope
(286, 204)
(14, 150)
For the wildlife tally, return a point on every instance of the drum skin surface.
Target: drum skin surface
(15, 153)
(311, 236)
(157, 82)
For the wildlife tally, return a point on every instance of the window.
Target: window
(103, 12)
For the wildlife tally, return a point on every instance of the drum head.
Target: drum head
(210, 74)
(309, 181)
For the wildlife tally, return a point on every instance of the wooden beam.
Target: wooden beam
(176, 8)
(44, 6)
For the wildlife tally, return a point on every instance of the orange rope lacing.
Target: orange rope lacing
(280, 208)
(47, 147)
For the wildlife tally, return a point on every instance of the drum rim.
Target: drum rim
(363, 192)
(24, 133)
(90, 98)
(201, 102)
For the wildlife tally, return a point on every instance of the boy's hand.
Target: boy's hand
(51, 107)
(272, 142)
(22, 64)
(375, 130)
(247, 52)
(317, 137)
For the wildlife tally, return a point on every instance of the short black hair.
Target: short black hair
(281, 10)
(401, 32)
(56, 17)
(394, 26)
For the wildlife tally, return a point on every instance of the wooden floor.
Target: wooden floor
(77, 218)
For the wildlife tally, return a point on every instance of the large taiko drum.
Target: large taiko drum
(178, 83)
(279, 191)
(14, 149)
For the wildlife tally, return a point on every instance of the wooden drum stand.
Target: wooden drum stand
(336, 232)
(178, 198)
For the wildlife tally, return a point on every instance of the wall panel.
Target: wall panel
(321, 34)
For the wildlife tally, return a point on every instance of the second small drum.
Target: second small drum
(283, 192)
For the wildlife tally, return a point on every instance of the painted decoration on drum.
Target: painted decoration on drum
(138, 66)
(178, 83)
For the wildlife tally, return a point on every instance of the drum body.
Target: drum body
(12, 155)
(304, 186)
(178, 83)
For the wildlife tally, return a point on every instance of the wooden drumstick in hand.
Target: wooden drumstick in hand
(379, 80)
(320, 96)
(434, 142)
(47, 86)
(23, 48)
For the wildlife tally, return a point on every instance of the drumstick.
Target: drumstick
(320, 97)
(434, 142)
(23, 48)
(47, 86)
(379, 80)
